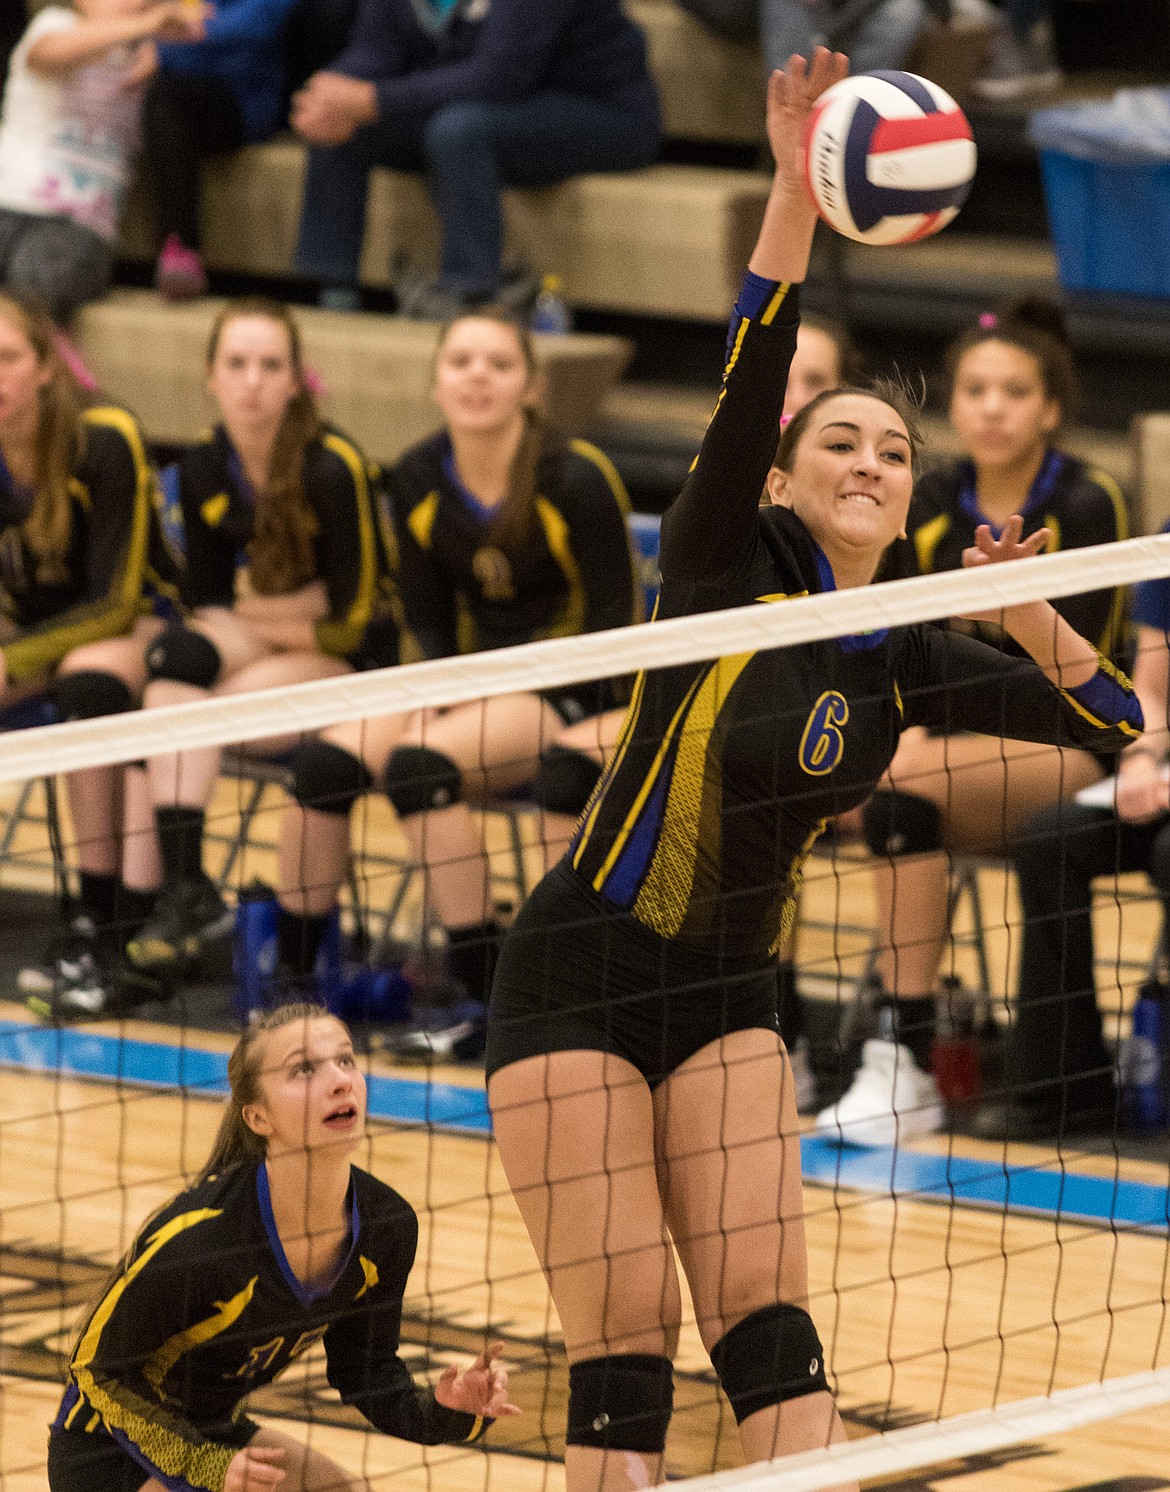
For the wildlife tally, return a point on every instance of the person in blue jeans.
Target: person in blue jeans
(1058, 1072)
(477, 96)
(876, 36)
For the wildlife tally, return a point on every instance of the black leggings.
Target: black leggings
(183, 120)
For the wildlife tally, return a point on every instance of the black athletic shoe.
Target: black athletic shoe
(455, 1033)
(189, 917)
(70, 956)
(111, 986)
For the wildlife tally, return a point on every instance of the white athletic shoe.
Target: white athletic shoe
(890, 1099)
(803, 1079)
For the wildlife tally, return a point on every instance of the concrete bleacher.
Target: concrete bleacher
(376, 369)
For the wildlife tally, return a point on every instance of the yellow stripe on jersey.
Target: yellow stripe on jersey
(775, 303)
(666, 890)
(226, 1313)
(341, 638)
(1122, 725)
(571, 621)
(421, 520)
(645, 790)
(927, 538)
(623, 741)
(202, 1466)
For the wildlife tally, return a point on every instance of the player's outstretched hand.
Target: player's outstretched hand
(480, 1389)
(791, 95)
(988, 550)
(255, 1469)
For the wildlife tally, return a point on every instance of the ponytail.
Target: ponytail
(48, 529)
(281, 558)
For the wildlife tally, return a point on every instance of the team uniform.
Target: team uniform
(206, 1309)
(118, 566)
(461, 593)
(655, 934)
(1080, 504)
(218, 506)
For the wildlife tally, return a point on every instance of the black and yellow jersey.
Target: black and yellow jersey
(206, 1309)
(117, 556)
(1081, 505)
(218, 508)
(727, 771)
(461, 593)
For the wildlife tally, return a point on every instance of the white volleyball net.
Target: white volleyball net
(990, 1309)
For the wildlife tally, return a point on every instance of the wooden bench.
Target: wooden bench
(376, 369)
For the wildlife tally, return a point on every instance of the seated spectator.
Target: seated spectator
(68, 132)
(1022, 61)
(1013, 382)
(282, 580)
(208, 97)
(518, 93)
(1058, 1072)
(506, 534)
(877, 35)
(80, 553)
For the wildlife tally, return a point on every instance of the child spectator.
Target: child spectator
(209, 97)
(67, 135)
(521, 93)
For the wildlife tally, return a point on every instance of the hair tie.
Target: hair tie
(313, 381)
(989, 321)
(74, 361)
(784, 419)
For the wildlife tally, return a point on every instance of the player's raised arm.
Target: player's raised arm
(711, 527)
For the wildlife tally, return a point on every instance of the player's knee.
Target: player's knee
(769, 1357)
(183, 656)
(896, 823)
(419, 780)
(621, 1403)
(328, 778)
(565, 780)
(89, 694)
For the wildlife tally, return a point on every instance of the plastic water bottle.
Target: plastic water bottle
(955, 1056)
(549, 312)
(1143, 1084)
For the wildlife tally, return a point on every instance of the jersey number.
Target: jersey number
(822, 743)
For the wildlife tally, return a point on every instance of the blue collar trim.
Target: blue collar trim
(304, 1294)
(483, 511)
(855, 642)
(1038, 494)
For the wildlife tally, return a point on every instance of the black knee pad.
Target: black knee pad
(897, 824)
(419, 779)
(184, 657)
(90, 693)
(565, 779)
(621, 1403)
(328, 778)
(772, 1355)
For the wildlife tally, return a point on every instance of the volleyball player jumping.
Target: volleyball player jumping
(279, 1246)
(639, 1088)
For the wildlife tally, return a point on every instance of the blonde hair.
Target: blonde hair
(236, 1143)
(513, 518)
(48, 529)
(280, 554)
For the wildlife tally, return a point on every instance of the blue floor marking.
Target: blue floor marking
(156, 1064)
(905, 1173)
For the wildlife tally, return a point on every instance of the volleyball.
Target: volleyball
(889, 157)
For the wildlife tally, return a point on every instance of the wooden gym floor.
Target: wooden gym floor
(926, 1309)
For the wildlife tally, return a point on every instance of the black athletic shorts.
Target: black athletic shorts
(95, 1462)
(574, 974)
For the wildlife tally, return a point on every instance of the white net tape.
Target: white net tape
(596, 655)
(964, 1435)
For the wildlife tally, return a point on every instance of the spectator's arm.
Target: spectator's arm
(61, 48)
(249, 20)
(374, 49)
(510, 61)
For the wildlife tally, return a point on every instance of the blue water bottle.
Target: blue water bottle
(1143, 1064)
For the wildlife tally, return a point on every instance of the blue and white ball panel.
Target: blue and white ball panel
(889, 157)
